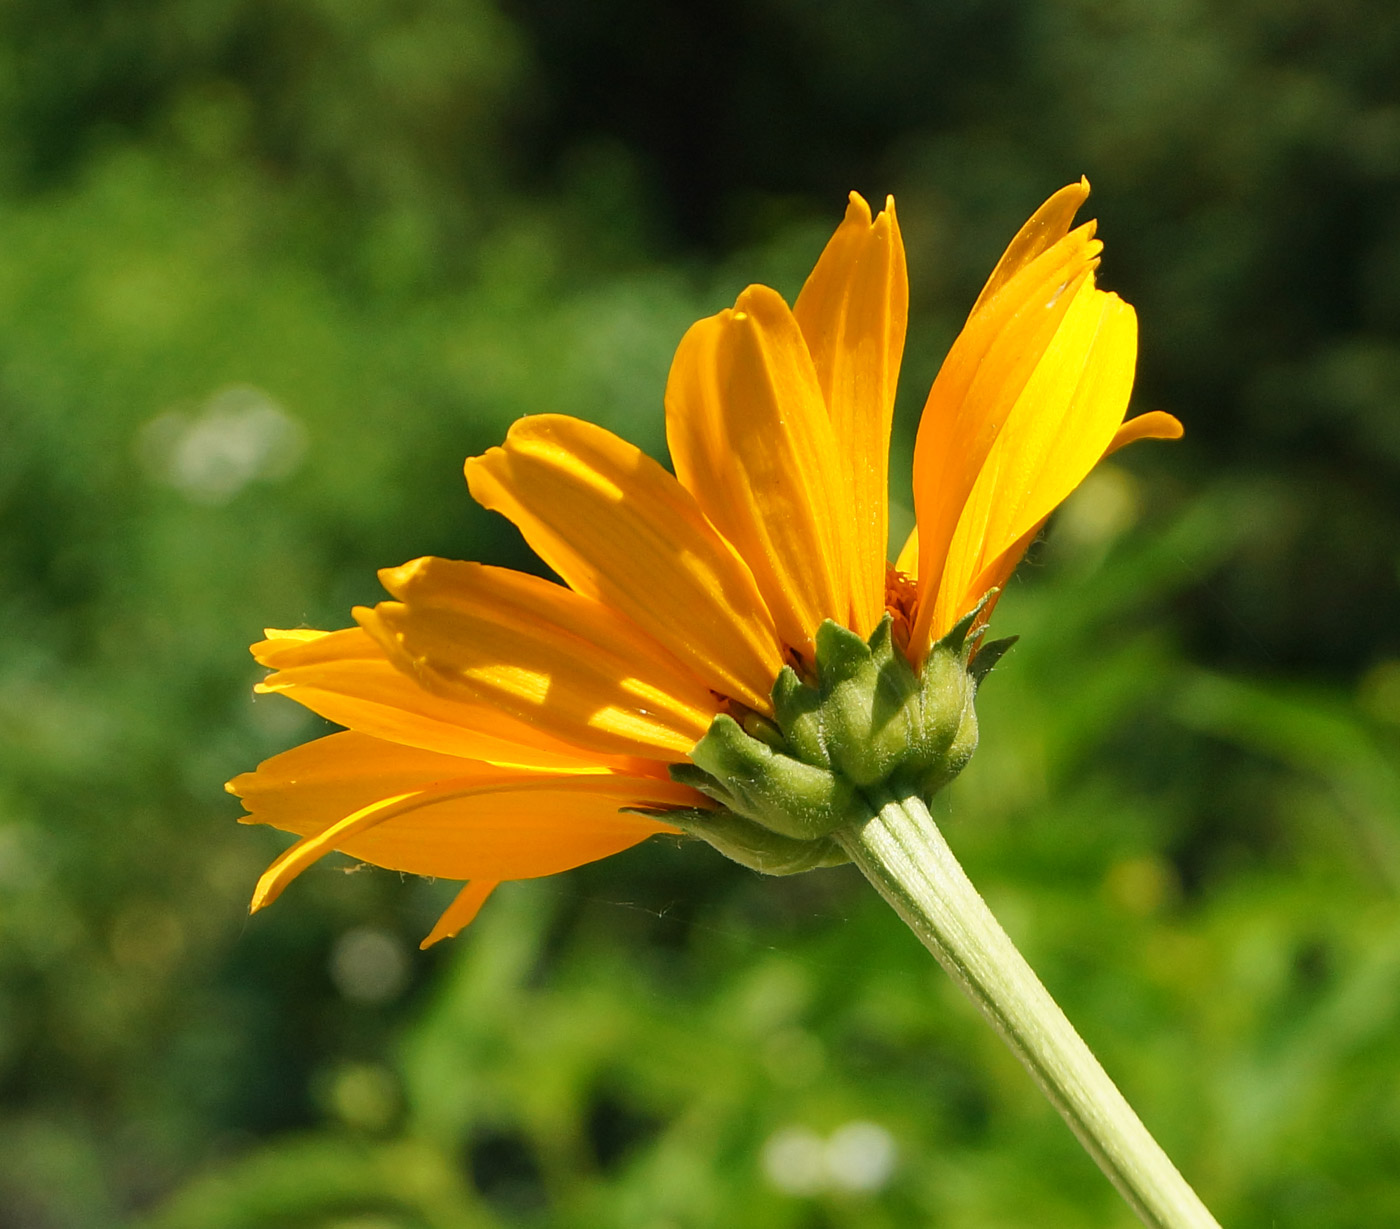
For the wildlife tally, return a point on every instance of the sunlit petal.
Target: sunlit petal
(461, 912)
(428, 814)
(751, 440)
(346, 677)
(1045, 228)
(620, 529)
(548, 656)
(853, 312)
(984, 377)
(1154, 425)
(1055, 434)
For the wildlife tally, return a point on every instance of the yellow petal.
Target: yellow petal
(460, 913)
(620, 529)
(346, 677)
(567, 665)
(751, 440)
(853, 312)
(1154, 425)
(307, 634)
(1045, 228)
(983, 377)
(428, 814)
(1055, 434)
(908, 559)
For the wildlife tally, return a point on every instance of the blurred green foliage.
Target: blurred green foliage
(269, 271)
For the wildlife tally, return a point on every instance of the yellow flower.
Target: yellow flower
(500, 726)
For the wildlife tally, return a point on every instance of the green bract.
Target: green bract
(870, 728)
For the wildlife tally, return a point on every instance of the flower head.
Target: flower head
(500, 726)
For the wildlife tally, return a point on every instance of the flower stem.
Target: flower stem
(902, 852)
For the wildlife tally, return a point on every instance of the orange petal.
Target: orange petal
(1045, 228)
(983, 377)
(751, 440)
(460, 913)
(1154, 425)
(853, 312)
(548, 656)
(620, 529)
(428, 814)
(520, 829)
(345, 677)
(1055, 434)
(312, 786)
(306, 634)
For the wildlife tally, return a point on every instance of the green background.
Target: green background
(269, 269)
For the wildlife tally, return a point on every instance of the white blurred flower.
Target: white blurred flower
(368, 966)
(240, 435)
(858, 1156)
(794, 1161)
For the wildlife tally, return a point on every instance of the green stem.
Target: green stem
(902, 852)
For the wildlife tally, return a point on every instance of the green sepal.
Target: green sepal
(697, 778)
(987, 657)
(955, 739)
(869, 727)
(750, 844)
(785, 795)
(955, 639)
(868, 694)
(797, 711)
(756, 726)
